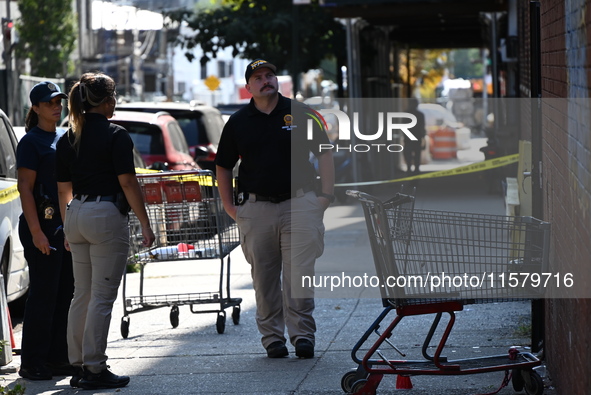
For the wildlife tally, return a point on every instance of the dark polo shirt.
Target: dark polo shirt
(105, 152)
(274, 148)
(36, 151)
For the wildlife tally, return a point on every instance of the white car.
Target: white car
(13, 265)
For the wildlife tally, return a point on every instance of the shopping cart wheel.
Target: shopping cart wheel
(533, 383)
(236, 315)
(125, 327)
(174, 316)
(220, 323)
(348, 380)
(517, 380)
(358, 385)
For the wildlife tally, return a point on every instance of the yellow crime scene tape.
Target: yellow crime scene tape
(8, 194)
(11, 193)
(472, 168)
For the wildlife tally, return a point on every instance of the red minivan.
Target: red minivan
(159, 139)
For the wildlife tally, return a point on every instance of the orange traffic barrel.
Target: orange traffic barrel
(443, 144)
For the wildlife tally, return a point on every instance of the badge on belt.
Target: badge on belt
(240, 198)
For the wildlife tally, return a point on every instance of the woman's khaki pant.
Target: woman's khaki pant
(99, 240)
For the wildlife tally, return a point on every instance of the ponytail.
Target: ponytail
(91, 91)
(75, 114)
(31, 120)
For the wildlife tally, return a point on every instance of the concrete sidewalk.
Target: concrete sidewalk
(194, 359)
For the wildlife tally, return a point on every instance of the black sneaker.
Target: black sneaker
(277, 350)
(76, 377)
(104, 379)
(35, 373)
(304, 348)
(61, 369)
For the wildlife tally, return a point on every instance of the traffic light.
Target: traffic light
(7, 26)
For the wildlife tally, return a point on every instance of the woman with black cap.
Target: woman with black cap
(97, 186)
(44, 351)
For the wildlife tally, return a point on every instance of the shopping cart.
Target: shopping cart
(482, 257)
(189, 222)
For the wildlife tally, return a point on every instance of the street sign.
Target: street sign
(212, 82)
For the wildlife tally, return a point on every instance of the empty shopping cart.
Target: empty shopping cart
(435, 262)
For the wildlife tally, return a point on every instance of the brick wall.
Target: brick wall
(566, 66)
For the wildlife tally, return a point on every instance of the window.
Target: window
(192, 126)
(189, 127)
(7, 152)
(177, 137)
(146, 138)
(223, 69)
(181, 87)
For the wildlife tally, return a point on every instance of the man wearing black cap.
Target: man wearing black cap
(278, 208)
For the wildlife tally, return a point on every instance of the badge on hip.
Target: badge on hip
(48, 212)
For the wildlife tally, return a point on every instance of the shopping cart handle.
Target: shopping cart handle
(362, 196)
(353, 193)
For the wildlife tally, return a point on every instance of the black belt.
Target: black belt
(278, 198)
(97, 198)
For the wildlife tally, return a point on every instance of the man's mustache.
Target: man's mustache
(267, 86)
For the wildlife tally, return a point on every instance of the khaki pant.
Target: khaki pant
(99, 240)
(281, 242)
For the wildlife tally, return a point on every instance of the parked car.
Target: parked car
(201, 124)
(228, 109)
(13, 265)
(159, 139)
(138, 161)
(19, 132)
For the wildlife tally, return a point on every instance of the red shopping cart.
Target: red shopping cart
(189, 222)
(435, 262)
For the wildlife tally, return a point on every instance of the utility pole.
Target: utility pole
(7, 26)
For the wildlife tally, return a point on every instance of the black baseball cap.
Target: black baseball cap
(257, 64)
(45, 91)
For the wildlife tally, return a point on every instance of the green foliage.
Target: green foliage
(468, 63)
(47, 33)
(264, 29)
(17, 390)
(427, 67)
(133, 268)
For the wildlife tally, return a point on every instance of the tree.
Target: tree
(427, 67)
(264, 29)
(46, 36)
(467, 63)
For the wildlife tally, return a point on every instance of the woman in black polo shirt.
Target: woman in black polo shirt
(96, 185)
(44, 348)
